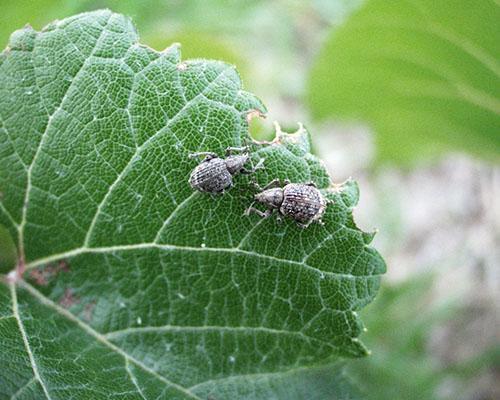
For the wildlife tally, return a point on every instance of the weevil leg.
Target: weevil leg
(231, 150)
(208, 155)
(251, 171)
(273, 184)
(257, 186)
(286, 182)
(311, 183)
(247, 211)
(262, 214)
(303, 226)
(279, 218)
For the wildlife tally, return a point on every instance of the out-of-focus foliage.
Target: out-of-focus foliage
(16, 14)
(424, 74)
(401, 367)
(200, 45)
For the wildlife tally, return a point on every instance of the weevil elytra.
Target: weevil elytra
(302, 202)
(215, 174)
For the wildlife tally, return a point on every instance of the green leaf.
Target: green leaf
(424, 74)
(8, 253)
(131, 285)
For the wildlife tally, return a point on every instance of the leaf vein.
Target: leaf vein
(8, 215)
(138, 151)
(34, 367)
(23, 388)
(169, 247)
(266, 375)
(43, 136)
(100, 338)
(133, 378)
(172, 215)
(208, 328)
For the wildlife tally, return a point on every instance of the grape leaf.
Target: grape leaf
(424, 74)
(128, 283)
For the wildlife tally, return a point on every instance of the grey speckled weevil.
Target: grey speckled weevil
(301, 201)
(215, 174)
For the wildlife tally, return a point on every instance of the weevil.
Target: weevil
(215, 174)
(303, 202)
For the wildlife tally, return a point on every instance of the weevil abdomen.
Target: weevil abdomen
(303, 203)
(211, 176)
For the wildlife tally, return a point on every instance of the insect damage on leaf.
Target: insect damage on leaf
(174, 293)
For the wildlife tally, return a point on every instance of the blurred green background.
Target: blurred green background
(405, 98)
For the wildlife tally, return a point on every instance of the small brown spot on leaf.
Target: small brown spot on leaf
(63, 266)
(39, 277)
(88, 311)
(43, 275)
(68, 299)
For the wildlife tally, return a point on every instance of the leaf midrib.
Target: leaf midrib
(170, 247)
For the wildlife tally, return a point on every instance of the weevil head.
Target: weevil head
(271, 198)
(235, 163)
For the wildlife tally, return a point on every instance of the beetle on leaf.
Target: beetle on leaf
(215, 174)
